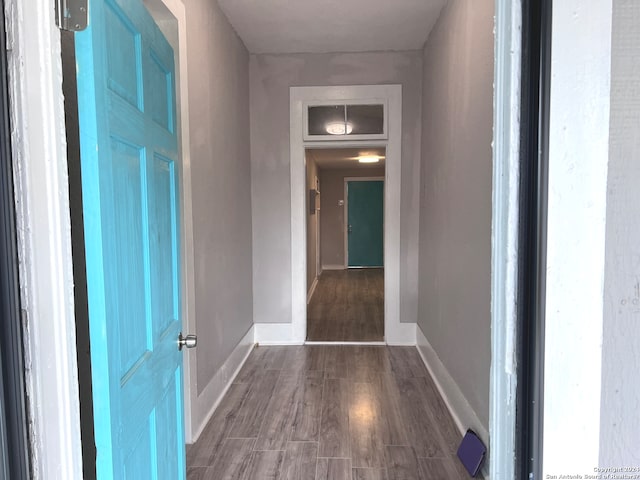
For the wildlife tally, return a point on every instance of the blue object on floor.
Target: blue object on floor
(472, 452)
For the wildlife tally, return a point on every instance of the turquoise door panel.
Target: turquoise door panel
(125, 72)
(365, 219)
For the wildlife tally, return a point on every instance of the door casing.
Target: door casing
(396, 331)
(35, 64)
(14, 458)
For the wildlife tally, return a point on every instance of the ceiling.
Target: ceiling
(342, 158)
(320, 26)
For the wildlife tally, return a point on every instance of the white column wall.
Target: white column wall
(578, 154)
(620, 398)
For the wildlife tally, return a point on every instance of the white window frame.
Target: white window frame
(346, 103)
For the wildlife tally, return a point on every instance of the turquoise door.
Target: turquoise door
(365, 223)
(128, 143)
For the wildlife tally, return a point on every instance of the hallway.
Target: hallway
(347, 306)
(329, 412)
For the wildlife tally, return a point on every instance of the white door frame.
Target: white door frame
(396, 333)
(346, 180)
(44, 238)
(38, 142)
(504, 242)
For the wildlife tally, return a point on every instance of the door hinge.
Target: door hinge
(72, 15)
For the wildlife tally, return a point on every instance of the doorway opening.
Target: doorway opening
(396, 332)
(169, 18)
(345, 244)
(14, 450)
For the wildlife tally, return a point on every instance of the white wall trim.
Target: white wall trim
(277, 334)
(396, 333)
(205, 404)
(504, 242)
(44, 238)
(168, 11)
(404, 335)
(459, 407)
(312, 290)
(463, 414)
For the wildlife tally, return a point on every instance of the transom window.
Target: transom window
(348, 120)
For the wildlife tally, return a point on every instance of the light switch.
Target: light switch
(341, 203)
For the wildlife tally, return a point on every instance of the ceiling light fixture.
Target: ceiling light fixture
(369, 158)
(338, 128)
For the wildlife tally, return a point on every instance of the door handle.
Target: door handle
(349, 229)
(190, 341)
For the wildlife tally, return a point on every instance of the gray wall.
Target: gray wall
(312, 222)
(619, 420)
(455, 215)
(271, 76)
(221, 171)
(332, 214)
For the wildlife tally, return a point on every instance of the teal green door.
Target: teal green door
(365, 223)
(125, 72)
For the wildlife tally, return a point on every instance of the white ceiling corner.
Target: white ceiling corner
(321, 26)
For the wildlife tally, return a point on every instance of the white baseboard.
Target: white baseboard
(400, 334)
(314, 284)
(275, 334)
(333, 267)
(204, 405)
(463, 415)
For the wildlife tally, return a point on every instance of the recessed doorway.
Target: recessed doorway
(396, 332)
(345, 244)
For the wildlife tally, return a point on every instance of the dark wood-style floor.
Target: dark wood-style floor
(329, 412)
(347, 306)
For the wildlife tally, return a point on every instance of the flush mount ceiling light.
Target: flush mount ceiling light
(369, 158)
(338, 128)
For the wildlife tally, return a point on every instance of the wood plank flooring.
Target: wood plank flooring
(347, 306)
(329, 412)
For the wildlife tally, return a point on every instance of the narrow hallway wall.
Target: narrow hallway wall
(455, 204)
(221, 172)
(271, 76)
